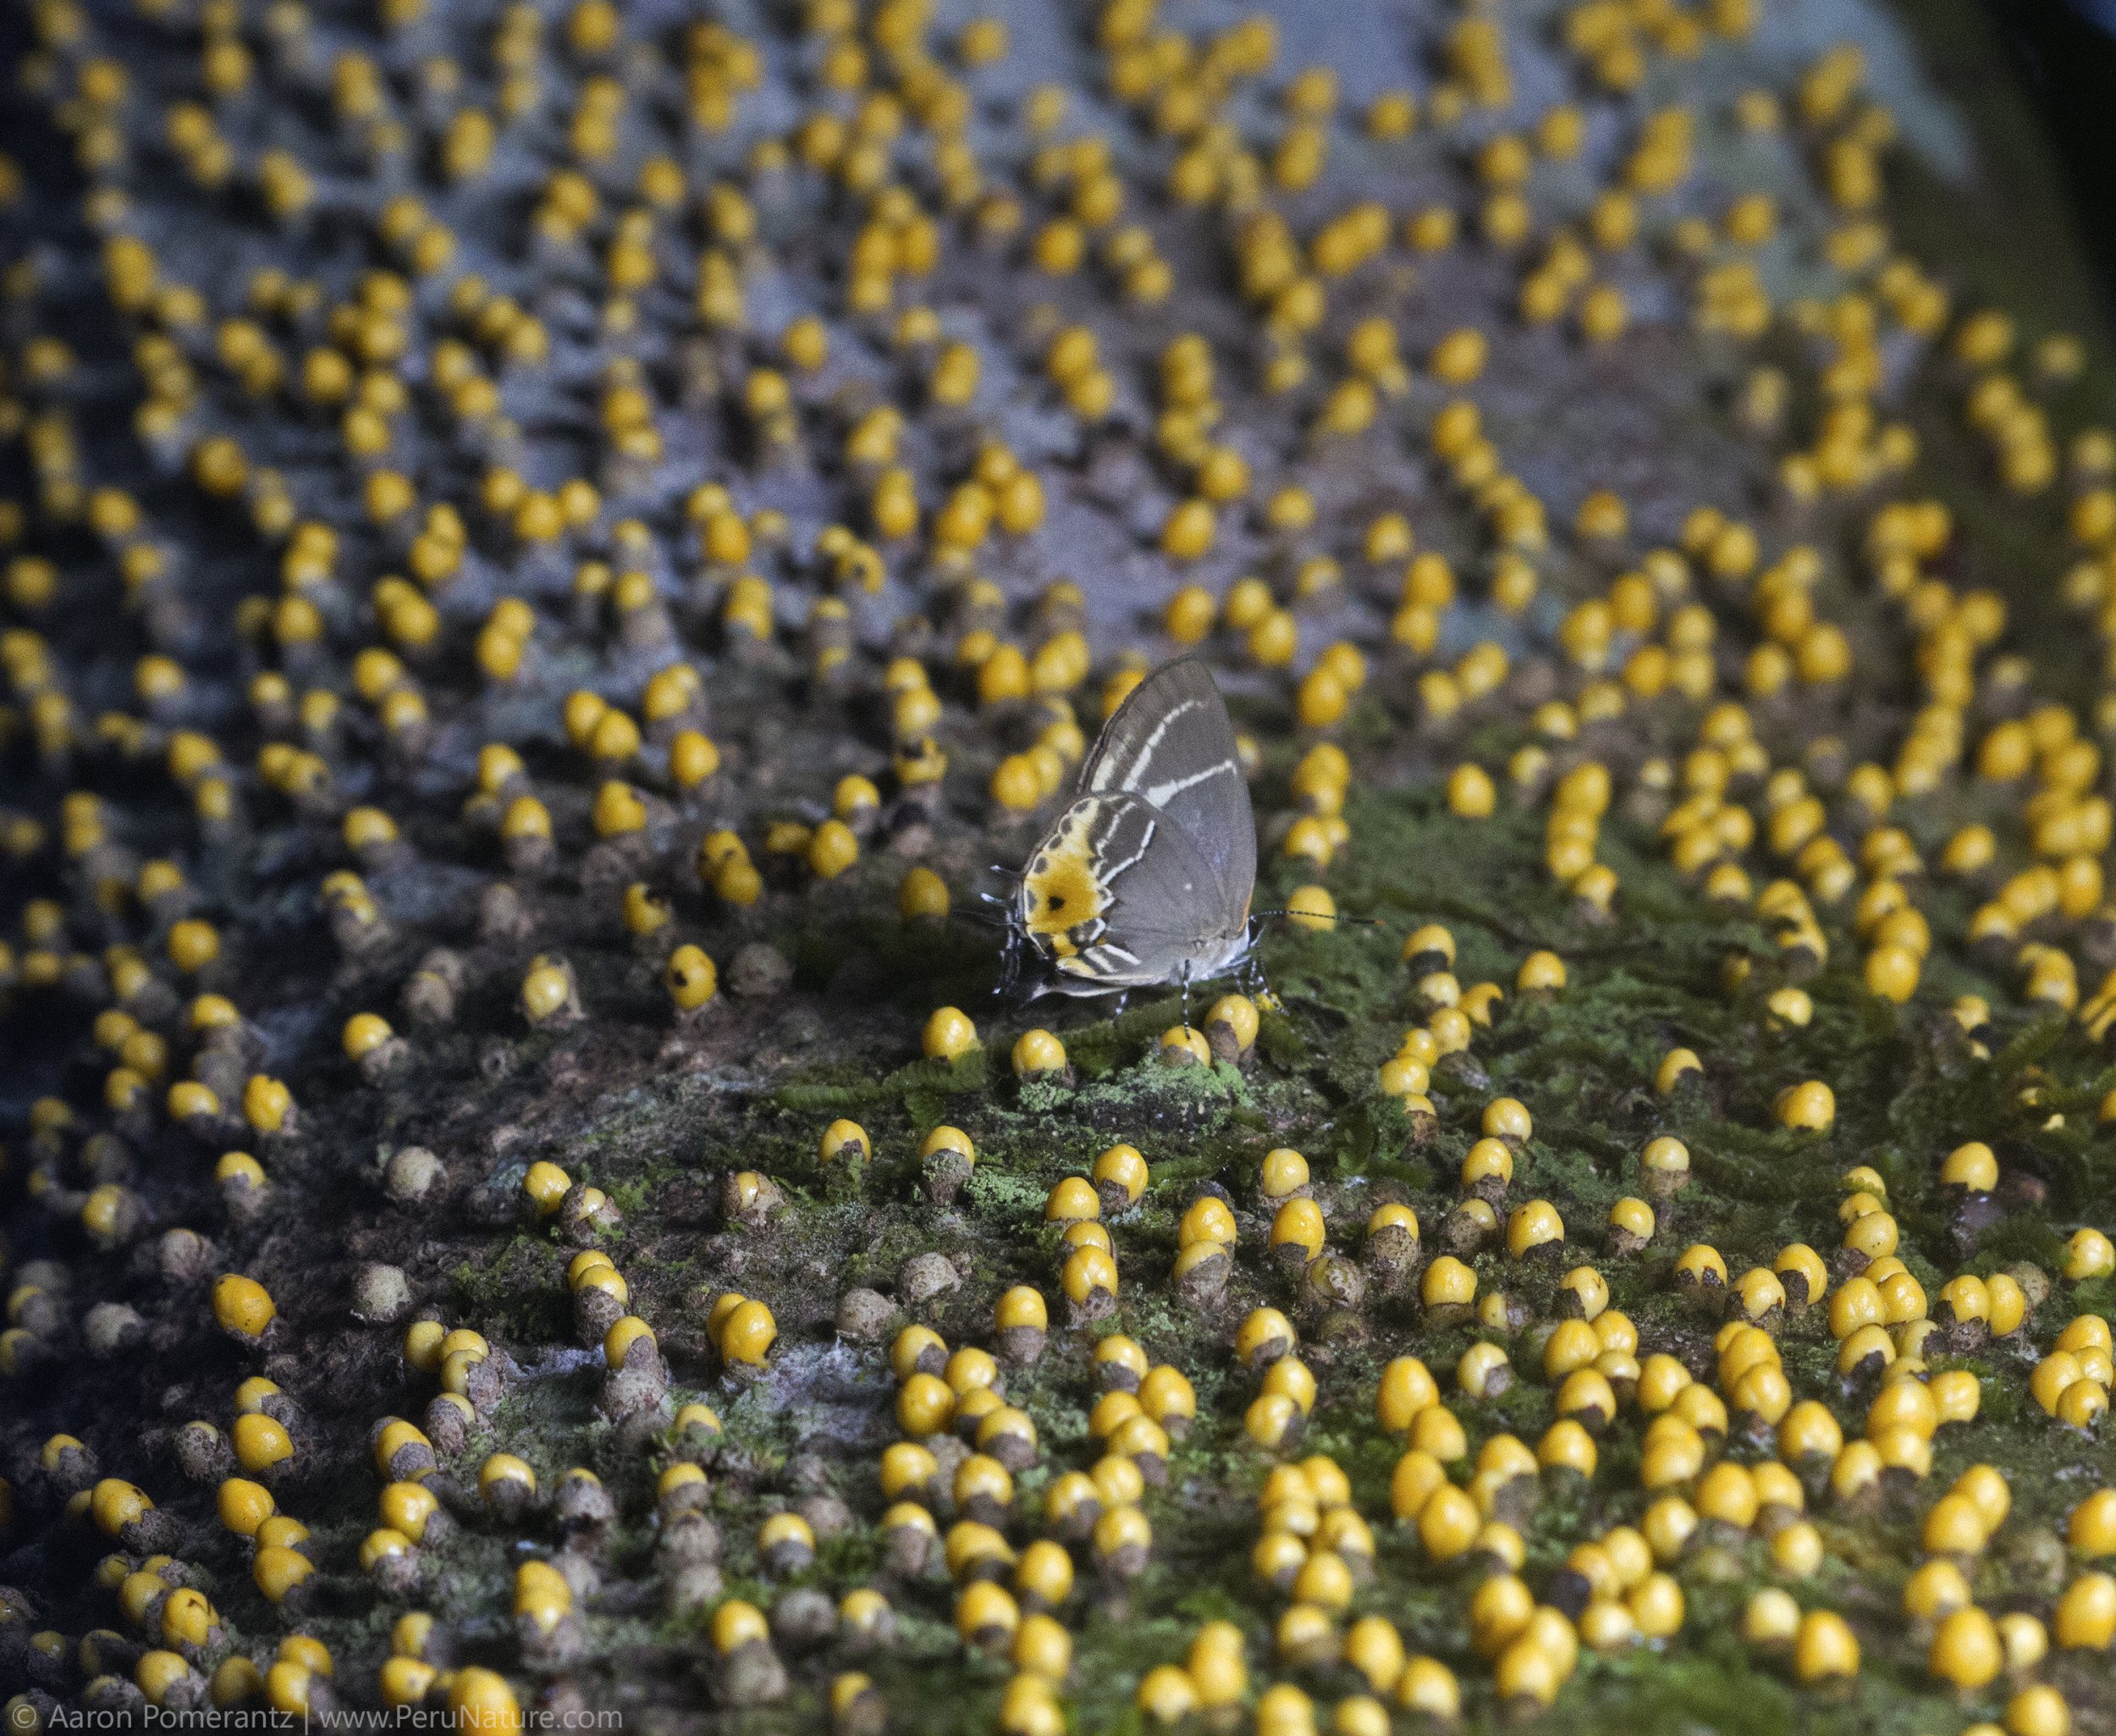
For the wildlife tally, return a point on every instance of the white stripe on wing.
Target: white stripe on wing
(1124, 774)
(1109, 874)
(1162, 794)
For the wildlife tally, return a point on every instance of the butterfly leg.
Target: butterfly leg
(1186, 994)
(1009, 963)
(1253, 981)
(1117, 1006)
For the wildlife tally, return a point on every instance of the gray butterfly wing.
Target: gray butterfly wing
(1171, 744)
(1118, 896)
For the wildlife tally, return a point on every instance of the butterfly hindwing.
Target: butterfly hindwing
(1118, 897)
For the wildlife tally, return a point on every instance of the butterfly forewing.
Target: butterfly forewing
(1171, 744)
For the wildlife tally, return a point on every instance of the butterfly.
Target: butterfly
(1147, 877)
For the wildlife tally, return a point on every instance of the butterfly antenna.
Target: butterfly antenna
(1317, 916)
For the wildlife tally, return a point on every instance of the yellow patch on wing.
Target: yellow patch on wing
(1064, 889)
